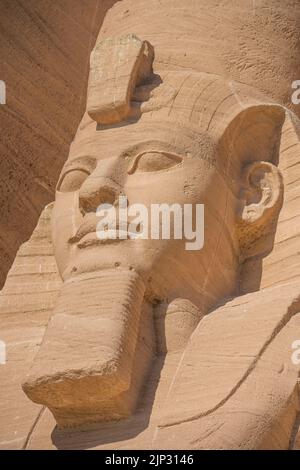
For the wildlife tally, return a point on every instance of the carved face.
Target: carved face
(150, 162)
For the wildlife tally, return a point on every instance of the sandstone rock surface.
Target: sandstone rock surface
(126, 342)
(44, 48)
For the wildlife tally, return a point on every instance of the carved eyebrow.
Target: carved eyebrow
(80, 163)
(86, 164)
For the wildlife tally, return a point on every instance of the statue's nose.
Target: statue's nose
(98, 189)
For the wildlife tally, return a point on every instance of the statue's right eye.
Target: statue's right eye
(72, 180)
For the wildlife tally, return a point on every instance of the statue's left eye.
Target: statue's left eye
(72, 180)
(154, 161)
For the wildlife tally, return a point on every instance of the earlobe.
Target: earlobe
(260, 200)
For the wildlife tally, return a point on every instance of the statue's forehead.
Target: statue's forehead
(114, 141)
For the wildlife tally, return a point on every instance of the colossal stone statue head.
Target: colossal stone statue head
(159, 149)
(159, 134)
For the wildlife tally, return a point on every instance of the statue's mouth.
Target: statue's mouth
(88, 234)
(102, 238)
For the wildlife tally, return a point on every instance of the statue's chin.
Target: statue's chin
(93, 359)
(97, 256)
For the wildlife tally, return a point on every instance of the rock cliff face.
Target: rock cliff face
(44, 50)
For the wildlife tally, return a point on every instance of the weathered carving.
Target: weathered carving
(227, 163)
(118, 66)
(160, 346)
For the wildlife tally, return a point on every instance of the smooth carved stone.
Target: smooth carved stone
(193, 348)
(118, 65)
(174, 324)
(238, 333)
(232, 169)
(90, 346)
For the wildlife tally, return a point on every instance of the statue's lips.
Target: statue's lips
(88, 235)
(104, 237)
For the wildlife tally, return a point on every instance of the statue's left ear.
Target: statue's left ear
(261, 193)
(260, 201)
(252, 143)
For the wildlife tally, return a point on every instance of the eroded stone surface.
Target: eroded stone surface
(45, 49)
(118, 66)
(191, 349)
(26, 303)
